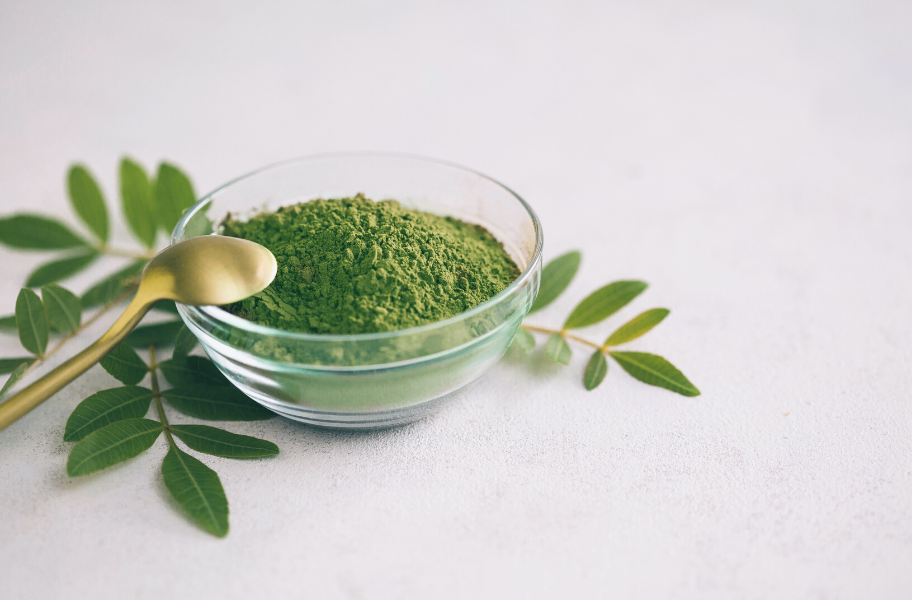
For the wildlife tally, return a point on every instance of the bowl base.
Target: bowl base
(354, 420)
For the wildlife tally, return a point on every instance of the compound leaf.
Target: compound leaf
(637, 326)
(114, 443)
(558, 350)
(105, 407)
(189, 370)
(173, 195)
(603, 302)
(125, 365)
(31, 321)
(112, 286)
(64, 312)
(184, 342)
(219, 442)
(8, 323)
(86, 198)
(215, 403)
(596, 369)
(523, 340)
(136, 198)
(57, 270)
(34, 232)
(8, 365)
(158, 334)
(15, 376)
(198, 489)
(555, 278)
(655, 370)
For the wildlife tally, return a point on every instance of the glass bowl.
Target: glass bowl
(375, 379)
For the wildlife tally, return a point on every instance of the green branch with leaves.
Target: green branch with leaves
(595, 308)
(111, 425)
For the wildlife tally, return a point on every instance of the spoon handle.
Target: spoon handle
(39, 391)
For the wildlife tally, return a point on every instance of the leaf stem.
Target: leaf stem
(156, 394)
(563, 333)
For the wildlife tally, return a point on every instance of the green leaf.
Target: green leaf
(173, 195)
(136, 196)
(219, 442)
(109, 288)
(62, 307)
(58, 270)
(596, 369)
(113, 443)
(523, 340)
(199, 224)
(198, 489)
(558, 350)
(637, 326)
(555, 278)
(8, 365)
(215, 403)
(8, 323)
(31, 321)
(85, 195)
(189, 370)
(159, 334)
(13, 378)
(184, 342)
(125, 365)
(603, 302)
(105, 407)
(166, 306)
(34, 232)
(655, 370)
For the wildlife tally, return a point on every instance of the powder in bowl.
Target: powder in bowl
(351, 265)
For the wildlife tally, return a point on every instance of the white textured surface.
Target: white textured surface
(751, 162)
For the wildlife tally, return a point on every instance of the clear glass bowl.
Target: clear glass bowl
(377, 379)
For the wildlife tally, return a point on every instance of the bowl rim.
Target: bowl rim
(214, 313)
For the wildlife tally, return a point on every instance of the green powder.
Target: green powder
(351, 265)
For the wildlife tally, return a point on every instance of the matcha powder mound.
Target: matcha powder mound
(356, 266)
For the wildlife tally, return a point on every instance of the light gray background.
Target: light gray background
(750, 160)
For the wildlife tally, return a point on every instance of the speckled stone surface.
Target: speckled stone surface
(750, 160)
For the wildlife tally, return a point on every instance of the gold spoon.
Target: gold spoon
(200, 271)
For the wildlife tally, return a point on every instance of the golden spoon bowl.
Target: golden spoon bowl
(206, 270)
